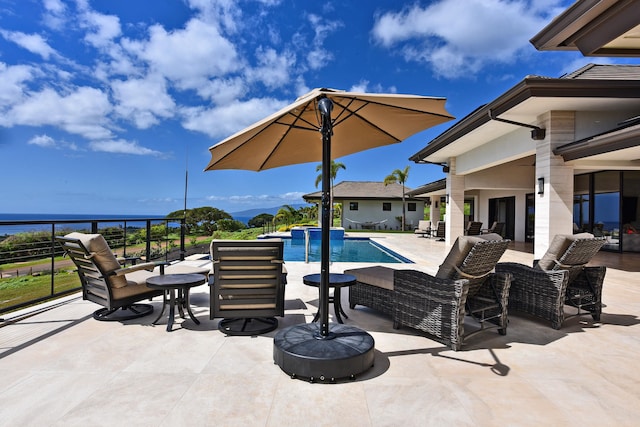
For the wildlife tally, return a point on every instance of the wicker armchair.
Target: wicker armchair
(438, 304)
(559, 278)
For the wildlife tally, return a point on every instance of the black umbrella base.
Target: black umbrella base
(303, 353)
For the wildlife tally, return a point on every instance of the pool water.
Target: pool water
(346, 250)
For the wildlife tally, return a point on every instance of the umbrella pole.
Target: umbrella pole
(326, 228)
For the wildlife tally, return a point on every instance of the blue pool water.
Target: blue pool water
(346, 250)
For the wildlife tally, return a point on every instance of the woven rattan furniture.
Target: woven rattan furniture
(105, 282)
(559, 278)
(438, 304)
(247, 285)
(473, 228)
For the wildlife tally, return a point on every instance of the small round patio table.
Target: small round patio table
(337, 281)
(169, 284)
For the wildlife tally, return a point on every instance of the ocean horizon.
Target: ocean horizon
(26, 228)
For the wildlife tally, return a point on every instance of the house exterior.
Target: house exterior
(547, 154)
(373, 205)
(554, 155)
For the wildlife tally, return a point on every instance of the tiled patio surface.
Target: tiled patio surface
(61, 367)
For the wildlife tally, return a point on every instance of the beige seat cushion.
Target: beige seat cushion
(381, 277)
(102, 255)
(558, 247)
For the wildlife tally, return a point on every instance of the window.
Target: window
(411, 207)
(353, 206)
(386, 206)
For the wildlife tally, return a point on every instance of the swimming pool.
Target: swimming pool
(346, 250)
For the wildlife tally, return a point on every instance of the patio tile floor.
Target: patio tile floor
(61, 367)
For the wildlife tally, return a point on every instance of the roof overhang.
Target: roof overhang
(524, 103)
(595, 28)
(625, 139)
(424, 190)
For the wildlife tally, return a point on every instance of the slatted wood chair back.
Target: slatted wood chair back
(247, 278)
(94, 279)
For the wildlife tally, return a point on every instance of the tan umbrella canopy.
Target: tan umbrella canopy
(361, 121)
(304, 132)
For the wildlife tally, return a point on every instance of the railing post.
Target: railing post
(183, 232)
(148, 248)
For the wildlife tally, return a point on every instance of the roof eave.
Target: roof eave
(588, 26)
(528, 88)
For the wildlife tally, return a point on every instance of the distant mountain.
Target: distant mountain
(250, 213)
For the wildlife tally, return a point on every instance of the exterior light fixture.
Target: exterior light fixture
(540, 185)
(447, 198)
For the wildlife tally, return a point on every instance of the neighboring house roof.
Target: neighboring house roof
(363, 190)
(595, 28)
(593, 87)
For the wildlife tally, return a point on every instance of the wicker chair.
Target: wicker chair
(247, 285)
(559, 278)
(440, 231)
(438, 304)
(473, 228)
(105, 282)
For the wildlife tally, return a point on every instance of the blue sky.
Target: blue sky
(105, 104)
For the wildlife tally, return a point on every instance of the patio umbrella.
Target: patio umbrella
(349, 122)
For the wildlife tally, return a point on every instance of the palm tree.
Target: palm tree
(400, 176)
(286, 213)
(333, 172)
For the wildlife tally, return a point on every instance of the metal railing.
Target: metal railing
(33, 268)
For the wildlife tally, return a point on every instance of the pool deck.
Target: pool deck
(61, 367)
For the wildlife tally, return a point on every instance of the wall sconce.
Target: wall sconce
(447, 198)
(540, 185)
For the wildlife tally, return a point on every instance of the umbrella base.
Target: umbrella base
(303, 353)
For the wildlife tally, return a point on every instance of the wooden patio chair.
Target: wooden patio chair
(105, 282)
(561, 277)
(247, 285)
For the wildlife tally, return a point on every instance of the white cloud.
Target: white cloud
(143, 101)
(54, 16)
(456, 38)
(273, 68)
(318, 56)
(13, 81)
(225, 120)
(34, 43)
(121, 146)
(102, 28)
(42, 141)
(189, 56)
(83, 112)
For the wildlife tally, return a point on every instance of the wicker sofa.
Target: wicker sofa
(438, 304)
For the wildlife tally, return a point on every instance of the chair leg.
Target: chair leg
(132, 311)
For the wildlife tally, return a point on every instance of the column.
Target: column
(454, 215)
(554, 208)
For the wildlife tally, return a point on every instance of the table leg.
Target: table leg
(164, 304)
(337, 307)
(181, 302)
(186, 301)
(172, 310)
